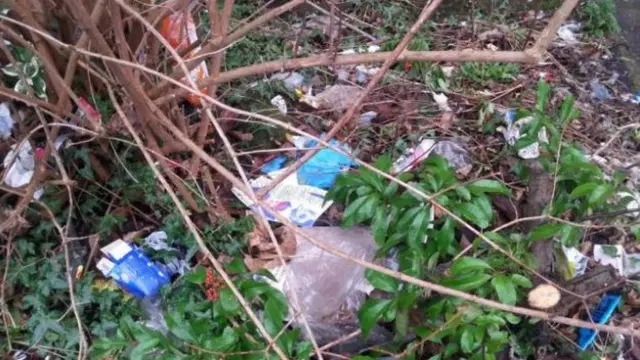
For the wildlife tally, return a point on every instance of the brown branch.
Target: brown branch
(327, 59)
(549, 33)
(96, 14)
(222, 42)
(427, 11)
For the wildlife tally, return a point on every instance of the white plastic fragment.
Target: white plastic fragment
(576, 262)
(610, 255)
(20, 165)
(367, 118)
(569, 33)
(443, 101)
(292, 80)
(633, 198)
(512, 134)
(6, 121)
(278, 102)
(413, 157)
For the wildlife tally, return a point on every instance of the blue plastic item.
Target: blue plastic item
(275, 164)
(133, 271)
(600, 315)
(323, 168)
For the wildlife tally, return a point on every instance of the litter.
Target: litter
(512, 134)
(278, 102)
(302, 204)
(335, 97)
(292, 80)
(443, 102)
(367, 118)
(600, 315)
(572, 263)
(275, 164)
(632, 98)
(633, 202)
(569, 33)
(6, 121)
(610, 255)
(599, 91)
(175, 265)
(453, 151)
(329, 288)
(412, 157)
(20, 165)
(174, 29)
(132, 270)
(323, 168)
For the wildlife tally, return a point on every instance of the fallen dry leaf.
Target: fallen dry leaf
(262, 251)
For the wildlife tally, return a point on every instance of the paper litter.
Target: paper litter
(302, 204)
(615, 255)
(569, 33)
(512, 134)
(132, 270)
(292, 80)
(453, 151)
(572, 263)
(20, 165)
(175, 265)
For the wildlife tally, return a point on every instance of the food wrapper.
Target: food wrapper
(180, 31)
(610, 255)
(572, 263)
(302, 204)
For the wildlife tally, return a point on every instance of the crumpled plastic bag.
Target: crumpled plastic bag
(330, 289)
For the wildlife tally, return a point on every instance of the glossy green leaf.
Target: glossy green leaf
(197, 275)
(468, 264)
(569, 235)
(467, 282)
(600, 193)
(468, 341)
(505, 288)
(584, 189)
(229, 302)
(370, 312)
(473, 213)
(381, 281)
(545, 231)
(352, 209)
(521, 281)
(488, 186)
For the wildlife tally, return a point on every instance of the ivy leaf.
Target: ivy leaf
(466, 282)
(370, 312)
(521, 281)
(469, 264)
(505, 289)
(228, 301)
(197, 275)
(488, 186)
(381, 281)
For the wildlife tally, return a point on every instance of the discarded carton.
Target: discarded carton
(132, 270)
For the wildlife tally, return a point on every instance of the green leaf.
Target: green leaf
(521, 281)
(505, 289)
(197, 275)
(143, 348)
(488, 186)
(542, 95)
(473, 213)
(466, 282)
(372, 179)
(402, 321)
(380, 225)
(544, 231)
(381, 281)
(467, 341)
(352, 209)
(226, 341)
(583, 189)
(468, 264)
(383, 163)
(569, 235)
(229, 302)
(368, 209)
(599, 194)
(463, 192)
(390, 190)
(370, 312)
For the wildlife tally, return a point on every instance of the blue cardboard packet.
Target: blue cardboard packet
(132, 270)
(600, 315)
